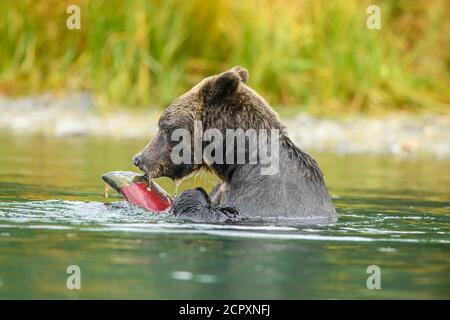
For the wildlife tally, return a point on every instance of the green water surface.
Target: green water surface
(394, 213)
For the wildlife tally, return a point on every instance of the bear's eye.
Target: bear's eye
(166, 132)
(164, 129)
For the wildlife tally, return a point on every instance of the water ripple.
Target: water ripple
(356, 226)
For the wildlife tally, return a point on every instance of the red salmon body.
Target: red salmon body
(141, 195)
(137, 189)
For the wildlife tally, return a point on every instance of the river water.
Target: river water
(394, 214)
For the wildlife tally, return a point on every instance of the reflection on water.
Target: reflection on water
(394, 213)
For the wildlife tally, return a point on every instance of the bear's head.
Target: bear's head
(221, 102)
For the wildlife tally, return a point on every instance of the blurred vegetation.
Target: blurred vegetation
(315, 55)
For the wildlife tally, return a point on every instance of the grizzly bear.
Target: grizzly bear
(223, 102)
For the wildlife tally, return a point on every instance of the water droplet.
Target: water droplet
(177, 185)
(106, 190)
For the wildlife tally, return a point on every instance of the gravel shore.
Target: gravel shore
(73, 115)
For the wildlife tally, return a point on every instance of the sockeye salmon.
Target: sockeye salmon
(138, 190)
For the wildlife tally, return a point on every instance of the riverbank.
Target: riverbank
(75, 115)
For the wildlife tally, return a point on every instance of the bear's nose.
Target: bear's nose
(137, 160)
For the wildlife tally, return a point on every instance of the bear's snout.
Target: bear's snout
(137, 160)
(145, 163)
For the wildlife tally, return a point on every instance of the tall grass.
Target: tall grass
(313, 54)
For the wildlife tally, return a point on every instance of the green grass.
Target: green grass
(309, 55)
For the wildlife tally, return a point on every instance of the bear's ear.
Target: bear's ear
(242, 72)
(224, 84)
